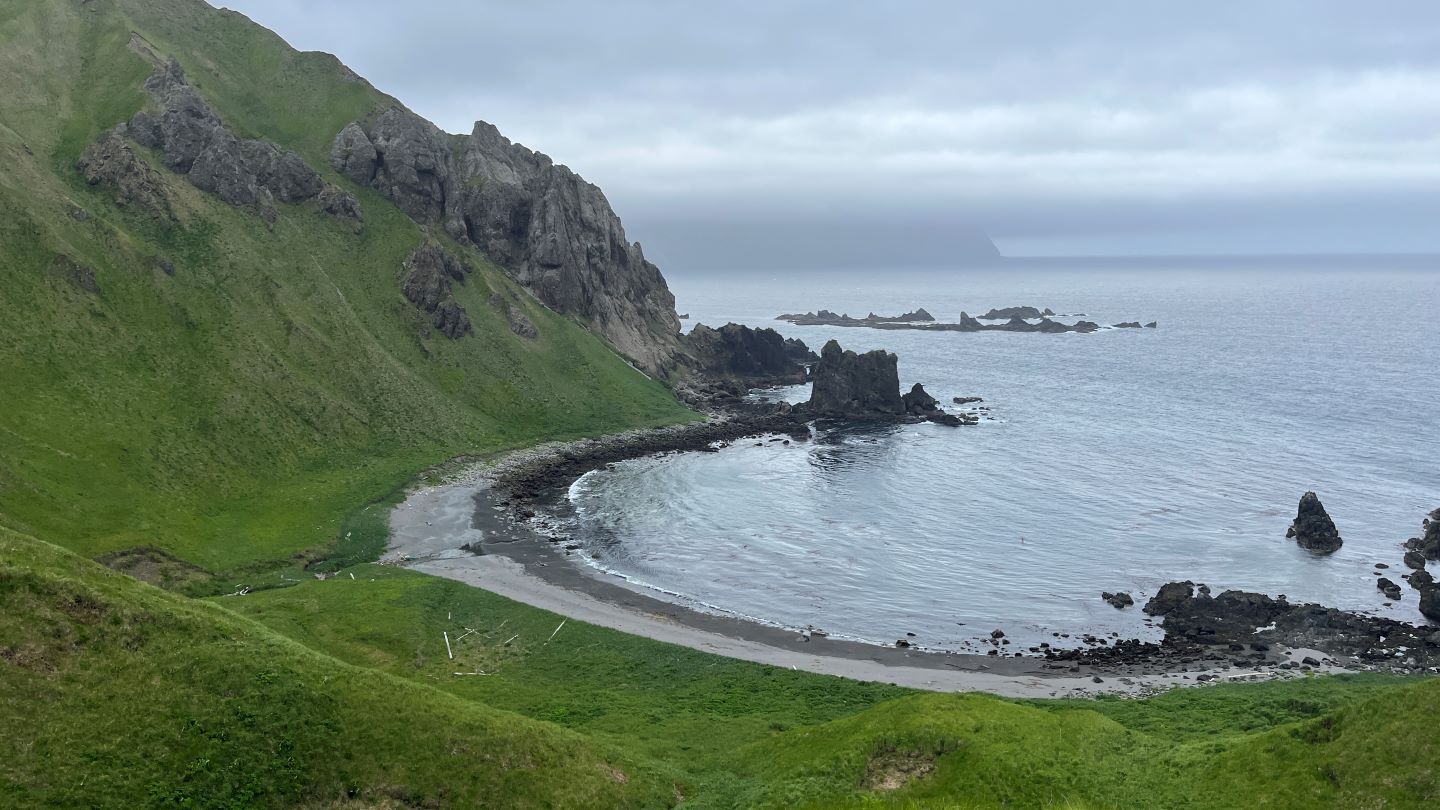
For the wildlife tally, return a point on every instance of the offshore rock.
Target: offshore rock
(1313, 529)
(110, 160)
(857, 386)
(1006, 313)
(554, 232)
(1170, 596)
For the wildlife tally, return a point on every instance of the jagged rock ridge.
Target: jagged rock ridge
(197, 144)
(556, 233)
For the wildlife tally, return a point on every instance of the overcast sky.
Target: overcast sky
(1057, 127)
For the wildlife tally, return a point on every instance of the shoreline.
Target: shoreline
(477, 510)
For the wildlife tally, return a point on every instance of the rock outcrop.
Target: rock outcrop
(554, 232)
(1242, 618)
(110, 160)
(1119, 601)
(1313, 529)
(855, 386)
(1429, 545)
(918, 401)
(908, 321)
(195, 143)
(429, 275)
(754, 357)
(1006, 313)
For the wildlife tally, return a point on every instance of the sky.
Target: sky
(903, 132)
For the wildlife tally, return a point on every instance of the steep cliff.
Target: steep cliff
(554, 232)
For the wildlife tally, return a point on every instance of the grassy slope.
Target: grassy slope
(733, 734)
(118, 694)
(235, 412)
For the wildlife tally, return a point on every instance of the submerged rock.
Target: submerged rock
(1313, 529)
(1389, 588)
(1119, 601)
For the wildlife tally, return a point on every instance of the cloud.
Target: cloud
(1030, 119)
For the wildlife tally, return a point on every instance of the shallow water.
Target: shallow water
(1118, 460)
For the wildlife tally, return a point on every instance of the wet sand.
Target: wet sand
(430, 526)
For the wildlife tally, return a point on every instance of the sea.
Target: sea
(1113, 461)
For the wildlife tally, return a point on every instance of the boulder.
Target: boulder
(857, 386)
(111, 161)
(1414, 559)
(1388, 587)
(1170, 596)
(339, 203)
(1119, 601)
(1313, 529)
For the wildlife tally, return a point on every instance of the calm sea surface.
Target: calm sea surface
(1118, 460)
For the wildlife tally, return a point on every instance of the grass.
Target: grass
(734, 734)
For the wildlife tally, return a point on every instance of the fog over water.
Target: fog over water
(1118, 460)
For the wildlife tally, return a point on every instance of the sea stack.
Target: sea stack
(1313, 529)
(857, 386)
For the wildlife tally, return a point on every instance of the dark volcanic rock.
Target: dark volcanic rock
(552, 230)
(1151, 325)
(1414, 559)
(1313, 529)
(756, 357)
(1388, 587)
(966, 400)
(1170, 596)
(1007, 313)
(1128, 325)
(918, 402)
(1119, 601)
(850, 385)
(1430, 541)
(110, 160)
(427, 285)
(197, 144)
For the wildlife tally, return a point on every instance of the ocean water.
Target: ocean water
(1118, 460)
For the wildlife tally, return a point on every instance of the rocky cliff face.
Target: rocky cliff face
(197, 144)
(556, 233)
(757, 357)
(855, 385)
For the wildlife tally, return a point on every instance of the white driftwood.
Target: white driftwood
(447, 647)
(557, 629)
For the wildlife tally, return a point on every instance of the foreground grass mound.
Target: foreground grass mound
(220, 388)
(117, 694)
(737, 735)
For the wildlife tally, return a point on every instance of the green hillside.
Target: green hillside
(234, 412)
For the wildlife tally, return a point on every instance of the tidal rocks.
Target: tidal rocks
(1313, 529)
(912, 321)
(1119, 601)
(110, 160)
(1414, 559)
(1430, 541)
(966, 400)
(197, 144)
(756, 357)
(1170, 596)
(856, 386)
(427, 284)
(1151, 325)
(1128, 325)
(554, 232)
(1389, 588)
(1007, 313)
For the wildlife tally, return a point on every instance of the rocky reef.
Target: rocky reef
(966, 323)
(195, 143)
(555, 233)
(827, 318)
(1006, 313)
(1240, 618)
(1313, 529)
